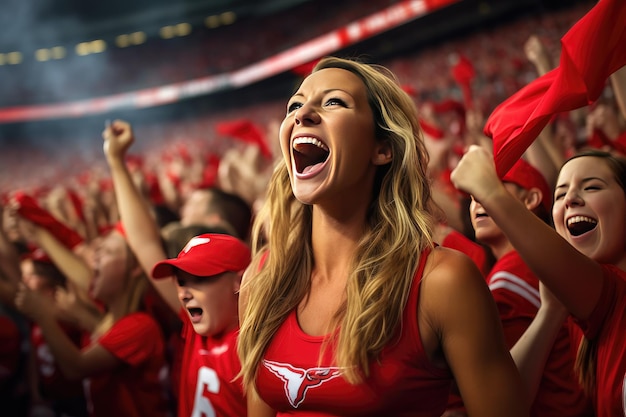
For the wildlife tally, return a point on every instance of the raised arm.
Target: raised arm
(74, 363)
(538, 55)
(575, 279)
(72, 265)
(618, 82)
(142, 232)
(9, 260)
(77, 308)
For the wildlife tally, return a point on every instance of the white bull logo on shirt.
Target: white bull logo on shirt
(298, 381)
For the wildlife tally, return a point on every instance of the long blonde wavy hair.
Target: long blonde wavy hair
(399, 226)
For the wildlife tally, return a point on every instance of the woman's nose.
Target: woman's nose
(306, 115)
(573, 198)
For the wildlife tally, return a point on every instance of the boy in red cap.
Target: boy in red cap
(208, 274)
(203, 288)
(515, 289)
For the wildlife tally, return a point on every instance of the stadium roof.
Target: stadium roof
(42, 23)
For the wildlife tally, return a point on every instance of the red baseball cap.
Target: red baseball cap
(526, 176)
(207, 255)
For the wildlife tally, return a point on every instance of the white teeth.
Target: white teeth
(578, 219)
(310, 140)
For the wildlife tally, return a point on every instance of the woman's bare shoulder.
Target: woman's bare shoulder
(446, 262)
(450, 273)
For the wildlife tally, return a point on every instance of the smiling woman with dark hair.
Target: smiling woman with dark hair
(582, 263)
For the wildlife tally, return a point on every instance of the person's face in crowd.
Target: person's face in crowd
(33, 280)
(485, 229)
(328, 138)
(590, 209)
(10, 225)
(111, 268)
(211, 302)
(195, 208)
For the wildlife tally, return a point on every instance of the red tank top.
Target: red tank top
(402, 382)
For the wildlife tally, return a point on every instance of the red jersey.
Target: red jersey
(458, 241)
(54, 386)
(208, 384)
(515, 290)
(136, 388)
(607, 327)
(10, 351)
(51, 380)
(402, 382)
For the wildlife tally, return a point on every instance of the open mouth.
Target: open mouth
(195, 312)
(579, 225)
(308, 153)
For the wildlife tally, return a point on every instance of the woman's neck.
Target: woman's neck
(334, 243)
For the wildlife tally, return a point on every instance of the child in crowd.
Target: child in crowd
(201, 285)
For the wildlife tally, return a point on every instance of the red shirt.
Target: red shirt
(52, 383)
(293, 380)
(136, 388)
(515, 290)
(207, 380)
(10, 350)
(607, 327)
(458, 241)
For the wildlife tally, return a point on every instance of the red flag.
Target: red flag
(431, 130)
(30, 210)
(246, 131)
(463, 73)
(593, 49)
(77, 203)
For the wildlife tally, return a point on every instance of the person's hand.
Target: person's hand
(244, 172)
(21, 227)
(537, 54)
(533, 48)
(28, 230)
(551, 305)
(604, 118)
(118, 137)
(33, 304)
(475, 173)
(439, 151)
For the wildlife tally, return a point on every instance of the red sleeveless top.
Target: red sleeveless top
(402, 382)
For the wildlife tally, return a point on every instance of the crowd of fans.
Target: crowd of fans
(61, 210)
(496, 54)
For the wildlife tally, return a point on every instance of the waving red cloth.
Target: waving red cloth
(30, 210)
(463, 73)
(246, 131)
(593, 49)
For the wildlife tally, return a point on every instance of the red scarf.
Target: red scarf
(592, 50)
